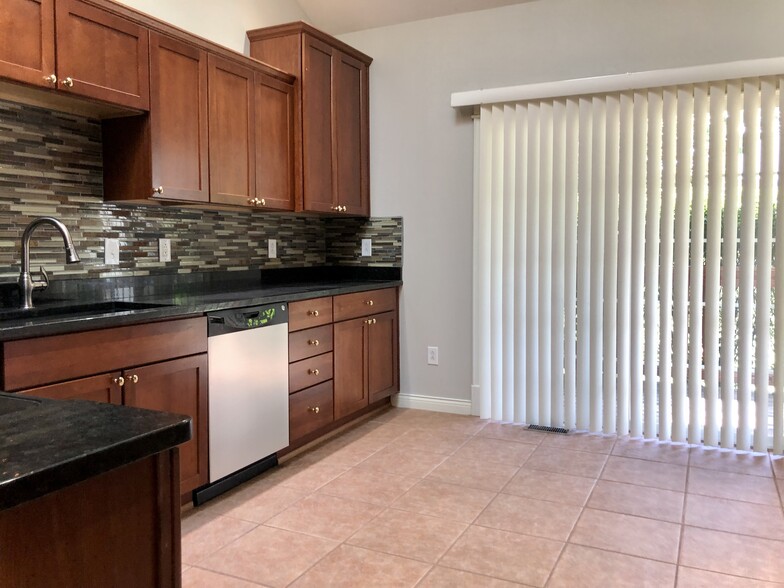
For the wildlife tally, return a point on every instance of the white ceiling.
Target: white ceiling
(344, 16)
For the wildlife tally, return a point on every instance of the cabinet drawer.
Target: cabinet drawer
(310, 342)
(28, 363)
(309, 372)
(309, 410)
(349, 306)
(310, 313)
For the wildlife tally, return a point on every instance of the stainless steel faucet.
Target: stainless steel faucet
(26, 282)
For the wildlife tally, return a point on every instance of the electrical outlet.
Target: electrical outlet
(272, 248)
(367, 247)
(111, 251)
(164, 249)
(432, 356)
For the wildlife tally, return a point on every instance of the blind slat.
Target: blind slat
(532, 300)
(778, 374)
(545, 229)
(570, 265)
(558, 254)
(506, 410)
(521, 267)
(584, 264)
(496, 253)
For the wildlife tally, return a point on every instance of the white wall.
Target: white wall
(421, 149)
(225, 22)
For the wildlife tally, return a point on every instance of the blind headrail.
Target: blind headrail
(622, 82)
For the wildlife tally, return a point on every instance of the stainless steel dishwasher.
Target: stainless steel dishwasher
(248, 355)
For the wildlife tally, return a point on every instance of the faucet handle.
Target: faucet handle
(44, 284)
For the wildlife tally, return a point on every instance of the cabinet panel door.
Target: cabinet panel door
(350, 374)
(382, 356)
(274, 131)
(27, 40)
(178, 119)
(101, 388)
(317, 135)
(232, 141)
(178, 386)
(350, 104)
(106, 56)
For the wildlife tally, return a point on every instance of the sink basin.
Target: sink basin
(10, 404)
(75, 310)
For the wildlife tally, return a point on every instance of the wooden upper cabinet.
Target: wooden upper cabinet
(231, 132)
(332, 118)
(178, 120)
(101, 55)
(274, 131)
(27, 40)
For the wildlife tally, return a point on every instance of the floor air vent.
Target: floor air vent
(548, 429)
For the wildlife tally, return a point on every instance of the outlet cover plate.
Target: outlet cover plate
(432, 356)
(111, 251)
(367, 247)
(272, 248)
(164, 250)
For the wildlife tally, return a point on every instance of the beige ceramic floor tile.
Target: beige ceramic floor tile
(593, 568)
(777, 462)
(727, 460)
(652, 450)
(497, 450)
(325, 516)
(198, 578)
(409, 535)
(510, 432)
(339, 453)
(563, 461)
(550, 486)
(263, 505)
(734, 516)
(646, 473)
(202, 536)
(736, 555)
(530, 517)
(368, 486)
(590, 442)
(628, 534)
(691, 578)
(653, 503)
(454, 423)
(306, 477)
(269, 556)
(482, 475)
(430, 440)
(352, 566)
(448, 501)
(743, 487)
(403, 462)
(374, 434)
(501, 554)
(440, 577)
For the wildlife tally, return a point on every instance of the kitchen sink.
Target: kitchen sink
(10, 403)
(66, 310)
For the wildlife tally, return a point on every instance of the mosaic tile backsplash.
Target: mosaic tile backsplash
(51, 165)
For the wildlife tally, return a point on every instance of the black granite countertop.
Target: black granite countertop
(98, 304)
(47, 445)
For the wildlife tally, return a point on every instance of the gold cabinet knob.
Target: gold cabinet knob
(374, 321)
(67, 82)
(134, 378)
(313, 409)
(119, 381)
(263, 202)
(251, 201)
(314, 342)
(370, 322)
(369, 302)
(313, 372)
(51, 78)
(158, 190)
(313, 313)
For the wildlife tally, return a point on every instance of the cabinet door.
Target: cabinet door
(105, 56)
(350, 107)
(178, 386)
(231, 138)
(178, 120)
(274, 130)
(382, 350)
(350, 373)
(101, 388)
(27, 40)
(317, 135)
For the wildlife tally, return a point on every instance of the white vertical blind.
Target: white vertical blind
(624, 267)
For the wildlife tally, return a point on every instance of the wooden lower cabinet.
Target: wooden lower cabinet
(350, 372)
(101, 388)
(382, 356)
(178, 386)
(310, 410)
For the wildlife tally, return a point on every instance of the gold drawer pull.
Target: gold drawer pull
(313, 313)
(158, 190)
(313, 372)
(370, 322)
(67, 82)
(314, 342)
(134, 378)
(119, 381)
(369, 302)
(51, 78)
(313, 409)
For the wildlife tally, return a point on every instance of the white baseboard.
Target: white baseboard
(433, 403)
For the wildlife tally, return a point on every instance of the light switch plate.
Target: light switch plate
(272, 248)
(111, 251)
(367, 247)
(164, 249)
